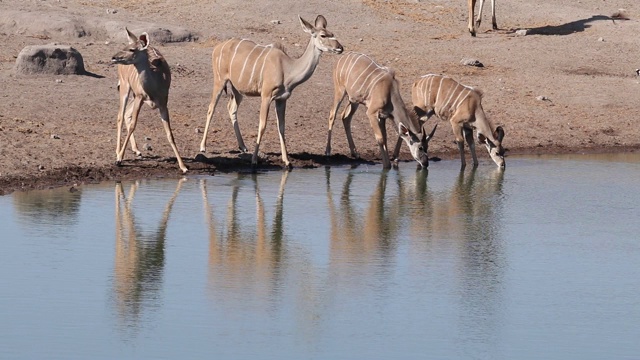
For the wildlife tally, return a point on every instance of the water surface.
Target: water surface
(540, 261)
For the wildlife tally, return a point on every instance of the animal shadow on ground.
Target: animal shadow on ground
(570, 27)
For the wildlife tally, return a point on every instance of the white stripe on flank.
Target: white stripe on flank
(355, 82)
(220, 58)
(353, 63)
(245, 63)
(450, 94)
(344, 61)
(235, 51)
(253, 70)
(455, 104)
(464, 98)
(435, 102)
(374, 82)
(264, 62)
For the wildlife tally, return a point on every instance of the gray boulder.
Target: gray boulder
(50, 59)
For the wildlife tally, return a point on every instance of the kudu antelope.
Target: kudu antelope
(359, 78)
(268, 72)
(462, 106)
(474, 26)
(143, 72)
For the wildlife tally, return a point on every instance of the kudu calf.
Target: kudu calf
(359, 78)
(143, 72)
(473, 27)
(268, 72)
(462, 106)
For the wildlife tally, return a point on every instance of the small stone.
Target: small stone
(147, 147)
(59, 81)
(361, 39)
(471, 62)
(40, 167)
(542, 98)
(55, 136)
(276, 22)
(198, 131)
(146, 138)
(600, 39)
(522, 32)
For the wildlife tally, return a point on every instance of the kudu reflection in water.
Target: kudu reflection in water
(243, 257)
(139, 255)
(362, 237)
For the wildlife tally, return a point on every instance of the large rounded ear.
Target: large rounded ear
(132, 38)
(144, 39)
(308, 28)
(499, 133)
(321, 22)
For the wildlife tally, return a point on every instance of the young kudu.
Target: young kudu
(462, 106)
(143, 72)
(473, 27)
(268, 72)
(359, 78)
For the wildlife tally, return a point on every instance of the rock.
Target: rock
(275, 22)
(55, 137)
(600, 39)
(147, 147)
(522, 32)
(50, 59)
(542, 98)
(471, 62)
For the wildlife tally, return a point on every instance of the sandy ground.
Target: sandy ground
(60, 130)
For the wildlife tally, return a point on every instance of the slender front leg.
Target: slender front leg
(264, 113)
(468, 135)
(380, 132)
(218, 86)
(127, 121)
(479, 17)
(164, 115)
(122, 109)
(396, 150)
(338, 96)
(232, 106)
(493, 15)
(137, 103)
(281, 106)
(458, 132)
(347, 115)
(472, 4)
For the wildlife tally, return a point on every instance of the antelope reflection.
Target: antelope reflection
(362, 236)
(245, 258)
(139, 255)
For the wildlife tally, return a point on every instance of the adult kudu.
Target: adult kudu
(266, 71)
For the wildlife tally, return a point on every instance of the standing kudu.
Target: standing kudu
(473, 27)
(462, 106)
(268, 72)
(143, 72)
(359, 78)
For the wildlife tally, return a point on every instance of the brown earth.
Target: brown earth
(60, 130)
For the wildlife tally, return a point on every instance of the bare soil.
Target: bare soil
(60, 130)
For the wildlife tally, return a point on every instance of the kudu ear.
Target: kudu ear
(321, 22)
(308, 28)
(144, 40)
(402, 130)
(132, 38)
(433, 131)
(499, 133)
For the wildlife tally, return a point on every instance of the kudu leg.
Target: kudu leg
(164, 115)
(337, 101)
(493, 15)
(281, 107)
(215, 96)
(479, 16)
(396, 149)
(122, 110)
(347, 115)
(137, 104)
(264, 113)
(127, 121)
(468, 135)
(232, 106)
(380, 132)
(471, 27)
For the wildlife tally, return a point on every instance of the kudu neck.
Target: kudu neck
(303, 67)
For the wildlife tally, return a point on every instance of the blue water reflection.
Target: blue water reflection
(538, 261)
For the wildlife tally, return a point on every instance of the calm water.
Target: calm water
(541, 261)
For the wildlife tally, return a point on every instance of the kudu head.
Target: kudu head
(424, 137)
(496, 151)
(323, 39)
(134, 52)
